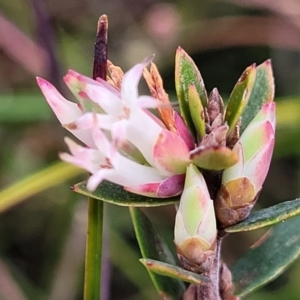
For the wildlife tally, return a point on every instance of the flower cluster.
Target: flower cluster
(198, 153)
(124, 142)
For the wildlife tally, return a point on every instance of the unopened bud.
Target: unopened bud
(195, 224)
(242, 182)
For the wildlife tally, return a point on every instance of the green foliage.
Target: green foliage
(239, 97)
(187, 75)
(154, 247)
(263, 91)
(165, 269)
(115, 194)
(267, 258)
(268, 216)
(26, 225)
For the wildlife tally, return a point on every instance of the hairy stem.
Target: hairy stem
(211, 290)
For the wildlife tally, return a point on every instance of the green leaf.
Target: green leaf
(214, 158)
(196, 111)
(187, 74)
(115, 194)
(239, 97)
(268, 216)
(267, 258)
(263, 91)
(154, 247)
(165, 269)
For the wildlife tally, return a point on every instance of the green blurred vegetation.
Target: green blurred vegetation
(42, 239)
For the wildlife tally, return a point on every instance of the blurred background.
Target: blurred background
(42, 238)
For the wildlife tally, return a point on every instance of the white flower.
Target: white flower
(127, 144)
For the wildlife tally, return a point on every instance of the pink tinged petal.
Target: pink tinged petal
(83, 157)
(66, 111)
(78, 82)
(172, 186)
(80, 86)
(237, 170)
(163, 149)
(255, 148)
(170, 153)
(257, 169)
(196, 204)
(195, 218)
(183, 131)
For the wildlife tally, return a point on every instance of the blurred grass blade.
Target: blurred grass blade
(268, 216)
(165, 269)
(287, 127)
(267, 258)
(154, 247)
(263, 91)
(37, 182)
(133, 271)
(23, 107)
(115, 194)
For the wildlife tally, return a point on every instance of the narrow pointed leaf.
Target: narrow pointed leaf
(239, 97)
(263, 91)
(268, 216)
(115, 194)
(187, 74)
(165, 269)
(154, 247)
(196, 111)
(214, 158)
(267, 258)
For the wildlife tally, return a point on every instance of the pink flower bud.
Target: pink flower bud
(242, 182)
(195, 224)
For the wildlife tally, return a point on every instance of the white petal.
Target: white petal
(90, 119)
(107, 100)
(143, 132)
(129, 89)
